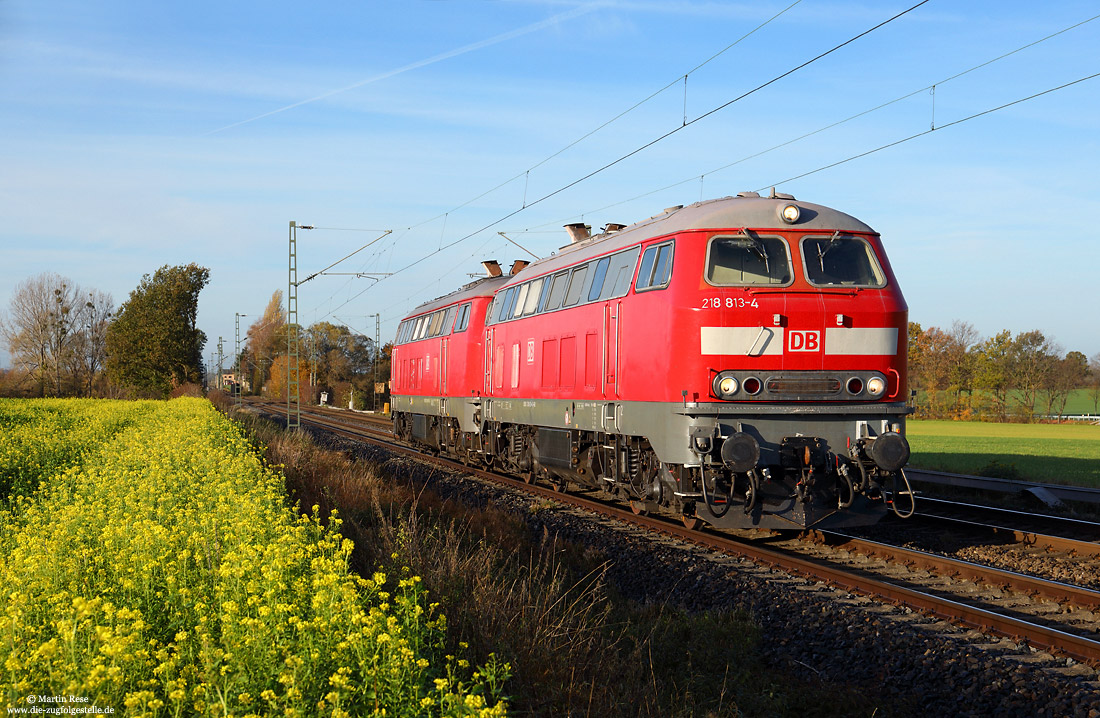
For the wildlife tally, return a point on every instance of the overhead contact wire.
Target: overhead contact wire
(667, 134)
(527, 172)
(619, 116)
(831, 125)
(934, 129)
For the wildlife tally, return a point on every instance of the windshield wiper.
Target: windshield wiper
(822, 252)
(759, 249)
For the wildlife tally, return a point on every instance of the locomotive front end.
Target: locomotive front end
(796, 417)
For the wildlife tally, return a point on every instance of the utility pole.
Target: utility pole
(293, 389)
(239, 383)
(377, 358)
(293, 381)
(220, 359)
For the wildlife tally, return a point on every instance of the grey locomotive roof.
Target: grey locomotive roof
(746, 210)
(483, 287)
(752, 211)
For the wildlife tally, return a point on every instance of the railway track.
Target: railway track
(1054, 496)
(1056, 533)
(1055, 616)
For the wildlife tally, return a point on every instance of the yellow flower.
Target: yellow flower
(166, 508)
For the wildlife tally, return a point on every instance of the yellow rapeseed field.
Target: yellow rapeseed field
(150, 565)
(42, 437)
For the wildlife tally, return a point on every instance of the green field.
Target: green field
(1080, 401)
(1083, 401)
(1055, 453)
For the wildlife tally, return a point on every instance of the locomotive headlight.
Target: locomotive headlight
(789, 213)
(876, 385)
(725, 386)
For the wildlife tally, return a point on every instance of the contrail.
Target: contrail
(525, 30)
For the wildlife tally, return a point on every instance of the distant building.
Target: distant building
(228, 381)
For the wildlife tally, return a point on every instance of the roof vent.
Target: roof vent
(614, 227)
(673, 209)
(578, 231)
(748, 194)
(492, 267)
(779, 195)
(518, 266)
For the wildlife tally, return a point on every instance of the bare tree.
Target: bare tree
(93, 315)
(54, 332)
(37, 330)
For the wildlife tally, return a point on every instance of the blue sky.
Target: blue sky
(134, 135)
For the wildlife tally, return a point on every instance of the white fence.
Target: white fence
(1090, 418)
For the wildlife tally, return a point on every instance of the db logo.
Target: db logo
(803, 341)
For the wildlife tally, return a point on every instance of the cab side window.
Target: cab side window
(463, 318)
(656, 269)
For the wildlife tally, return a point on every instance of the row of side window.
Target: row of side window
(435, 324)
(600, 279)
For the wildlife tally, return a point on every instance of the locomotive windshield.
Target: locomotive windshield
(748, 260)
(844, 261)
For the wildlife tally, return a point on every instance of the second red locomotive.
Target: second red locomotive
(741, 361)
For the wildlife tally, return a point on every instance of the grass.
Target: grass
(1080, 401)
(1052, 453)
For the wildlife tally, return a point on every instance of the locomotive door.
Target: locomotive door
(612, 333)
(488, 363)
(444, 365)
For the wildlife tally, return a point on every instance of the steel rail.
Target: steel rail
(945, 565)
(1044, 492)
(1050, 541)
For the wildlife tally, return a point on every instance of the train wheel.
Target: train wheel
(690, 522)
(558, 485)
(528, 477)
(639, 508)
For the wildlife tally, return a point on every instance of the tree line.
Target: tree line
(1023, 377)
(65, 340)
(333, 360)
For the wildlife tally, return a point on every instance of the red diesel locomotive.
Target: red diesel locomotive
(741, 361)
